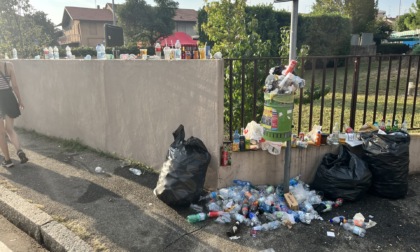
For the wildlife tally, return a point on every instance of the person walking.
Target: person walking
(10, 106)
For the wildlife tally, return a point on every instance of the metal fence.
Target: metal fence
(349, 90)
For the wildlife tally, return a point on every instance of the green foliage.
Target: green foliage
(324, 38)
(237, 39)
(318, 92)
(382, 31)
(392, 48)
(146, 23)
(412, 21)
(361, 12)
(399, 24)
(416, 50)
(322, 7)
(23, 29)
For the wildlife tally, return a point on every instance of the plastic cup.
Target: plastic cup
(167, 52)
(143, 53)
(202, 51)
(195, 54)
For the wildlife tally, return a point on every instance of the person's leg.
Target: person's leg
(14, 139)
(3, 144)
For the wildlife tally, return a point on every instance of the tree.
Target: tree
(362, 12)
(413, 20)
(382, 31)
(142, 22)
(23, 29)
(237, 37)
(321, 7)
(400, 23)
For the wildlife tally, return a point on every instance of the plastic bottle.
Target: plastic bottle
(211, 195)
(335, 133)
(178, 52)
(14, 54)
(388, 126)
(214, 214)
(103, 52)
(354, 229)
(318, 139)
(337, 219)
(56, 54)
(68, 52)
(98, 51)
(404, 126)
(50, 53)
(395, 126)
(135, 171)
(235, 144)
(6, 56)
(193, 218)
(158, 50)
(351, 221)
(183, 53)
(382, 125)
(46, 53)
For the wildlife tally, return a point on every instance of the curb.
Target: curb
(38, 224)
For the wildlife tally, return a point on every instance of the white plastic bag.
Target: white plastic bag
(254, 131)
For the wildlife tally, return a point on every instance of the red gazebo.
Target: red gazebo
(183, 38)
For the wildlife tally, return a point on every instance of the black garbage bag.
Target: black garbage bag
(182, 176)
(388, 159)
(342, 176)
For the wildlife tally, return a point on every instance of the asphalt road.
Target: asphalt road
(117, 210)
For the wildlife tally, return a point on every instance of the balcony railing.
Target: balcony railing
(69, 39)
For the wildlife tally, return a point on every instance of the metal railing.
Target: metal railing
(350, 90)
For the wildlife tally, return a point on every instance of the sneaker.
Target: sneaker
(22, 156)
(7, 163)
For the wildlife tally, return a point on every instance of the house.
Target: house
(85, 26)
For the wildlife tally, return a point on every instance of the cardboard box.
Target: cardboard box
(291, 201)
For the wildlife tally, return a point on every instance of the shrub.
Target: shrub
(392, 48)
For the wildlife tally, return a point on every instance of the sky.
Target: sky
(55, 8)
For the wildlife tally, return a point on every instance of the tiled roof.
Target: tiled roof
(77, 13)
(186, 15)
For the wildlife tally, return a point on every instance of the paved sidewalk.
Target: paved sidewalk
(63, 203)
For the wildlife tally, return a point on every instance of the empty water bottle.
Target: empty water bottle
(14, 54)
(193, 218)
(50, 53)
(177, 50)
(56, 53)
(98, 51)
(354, 229)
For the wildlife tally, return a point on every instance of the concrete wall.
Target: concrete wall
(131, 108)
(260, 167)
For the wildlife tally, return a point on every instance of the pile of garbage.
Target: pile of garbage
(281, 80)
(266, 207)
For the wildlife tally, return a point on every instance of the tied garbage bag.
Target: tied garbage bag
(388, 159)
(342, 176)
(182, 176)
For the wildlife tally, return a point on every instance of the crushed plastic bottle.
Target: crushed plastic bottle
(135, 171)
(354, 229)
